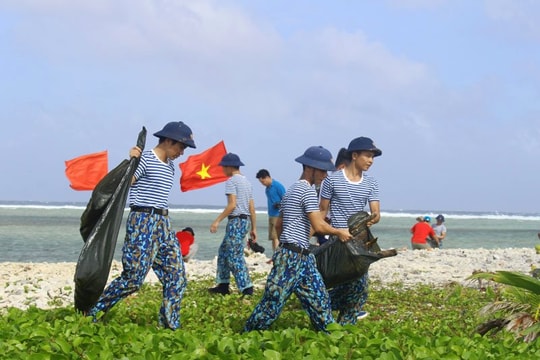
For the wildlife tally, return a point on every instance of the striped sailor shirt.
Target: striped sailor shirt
(347, 197)
(154, 180)
(300, 200)
(239, 186)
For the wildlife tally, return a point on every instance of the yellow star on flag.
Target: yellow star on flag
(203, 173)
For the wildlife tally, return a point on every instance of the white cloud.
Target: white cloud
(199, 29)
(519, 17)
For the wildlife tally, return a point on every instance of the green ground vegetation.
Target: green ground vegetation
(423, 322)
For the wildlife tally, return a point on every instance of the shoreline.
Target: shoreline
(49, 285)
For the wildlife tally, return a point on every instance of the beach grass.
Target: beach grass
(420, 322)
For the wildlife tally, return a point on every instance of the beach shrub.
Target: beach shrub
(417, 323)
(515, 307)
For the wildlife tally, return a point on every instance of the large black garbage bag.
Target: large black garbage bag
(100, 224)
(340, 262)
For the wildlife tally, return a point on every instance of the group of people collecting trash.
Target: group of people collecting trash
(426, 236)
(320, 203)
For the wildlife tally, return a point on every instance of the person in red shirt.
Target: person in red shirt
(186, 239)
(420, 232)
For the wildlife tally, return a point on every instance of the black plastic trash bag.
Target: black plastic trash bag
(340, 262)
(100, 224)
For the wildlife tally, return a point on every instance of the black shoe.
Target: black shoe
(253, 245)
(222, 289)
(248, 291)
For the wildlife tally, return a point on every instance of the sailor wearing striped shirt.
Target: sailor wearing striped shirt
(150, 242)
(294, 268)
(240, 212)
(344, 193)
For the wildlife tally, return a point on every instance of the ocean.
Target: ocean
(50, 232)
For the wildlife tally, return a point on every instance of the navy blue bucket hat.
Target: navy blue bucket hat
(317, 157)
(230, 159)
(178, 131)
(363, 144)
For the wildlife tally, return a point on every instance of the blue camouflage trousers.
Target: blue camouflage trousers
(149, 243)
(298, 274)
(349, 299)
(231, 255)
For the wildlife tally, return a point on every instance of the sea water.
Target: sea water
(50, 233)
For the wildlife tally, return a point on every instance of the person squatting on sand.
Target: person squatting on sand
(294, 267)
(343, 194)
(240, 212)
(440, 231)
(186, 240)
(150, 242)
(421, 231)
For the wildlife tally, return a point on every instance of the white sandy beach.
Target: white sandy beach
(47, 285)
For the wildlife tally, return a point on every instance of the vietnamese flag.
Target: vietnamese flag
(202, 170)
(84, 172)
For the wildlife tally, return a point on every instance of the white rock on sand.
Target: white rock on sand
(47, 285)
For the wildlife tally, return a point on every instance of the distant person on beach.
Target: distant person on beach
(186, 239)
(150, 241)
(274, 191)
(421, 231)
(440, 231)
(295, 269)
(240, 214)
(343, 194)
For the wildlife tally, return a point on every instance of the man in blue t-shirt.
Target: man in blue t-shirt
(274, 193)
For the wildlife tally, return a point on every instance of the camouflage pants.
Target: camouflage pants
(149, 243)
(231, 255)
(298, 274)
(349, 299)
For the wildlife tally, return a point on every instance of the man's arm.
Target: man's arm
(134, 152)
(322, 227)
(324, 204)
(375, 209)
(253, 217)
(279, 225)
(231, 204)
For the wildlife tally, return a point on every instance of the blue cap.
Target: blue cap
(178, 131)
(427, 219)
(317, 157)
(440, 218)
(230, 159)
(363, 144)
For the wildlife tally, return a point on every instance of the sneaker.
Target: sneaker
(362, 315)
(222, 289)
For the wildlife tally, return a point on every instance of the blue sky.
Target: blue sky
(447, 89)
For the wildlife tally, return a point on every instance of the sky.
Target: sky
(448, 90)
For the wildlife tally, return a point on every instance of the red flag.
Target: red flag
(202, 170)
(85, 172)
